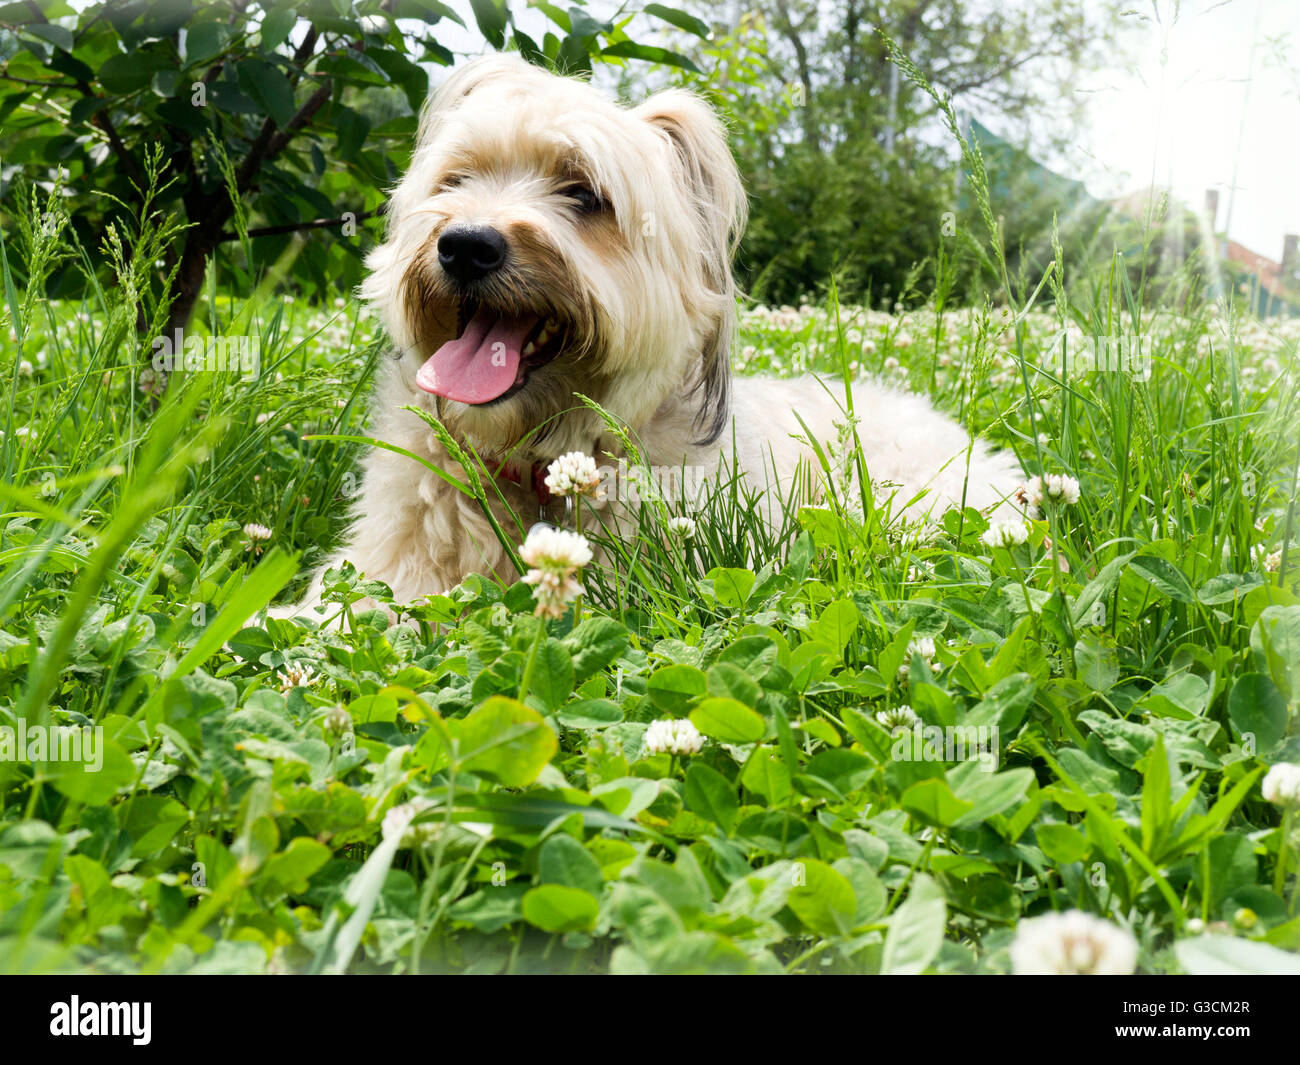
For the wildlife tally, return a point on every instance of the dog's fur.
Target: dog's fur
(642, 288)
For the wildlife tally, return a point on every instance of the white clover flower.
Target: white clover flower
(151, 382)
(574, 474)
(903, 341)
(1061, 488)
(922, 645)
(1073, 943)
(556, 556)
(550, 548)
(1006, 534)
(296, 674)
(1054, 488)
(673, 736)
(1282, 784)
(256, 534)
(25, 369)
(397, 823)
(1030, 493)
(338, 720)
(1270, 560)
(681, 527)
(1044, 440)
(899, 719)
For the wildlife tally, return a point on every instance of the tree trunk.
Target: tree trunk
(189, 282)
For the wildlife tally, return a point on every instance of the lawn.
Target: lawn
(481, 789)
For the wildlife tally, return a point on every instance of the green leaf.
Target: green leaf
(728, 720)
(558, 908)
(732, 682)
(680, 19)
(731, 586)
(491, 16)
(590, 714)
(563, 860)
(1084, 610)
(492, 908)
(92, 781)
(265, 83)
(294, 866)
(1275, 646)
(1232, 956)
(822, 898)
(651, 54)
(353, 128)
(59, 36)
(916, 930)
(1005, 704)
(205, 41)
(276, 26)
(552, 678)
(711, 795)
(1155, 796)
(506, 740)
(1096, 661)
(152, 821)
(867, 888)
(129, 72)
(836, 626)
(844, 770)
(1164, 577)
(1227, 588)
(990, 795)
(766, 773)
(1256, 708)
(934, 803)
(674, 689)
(594, 644)
(1063, 844)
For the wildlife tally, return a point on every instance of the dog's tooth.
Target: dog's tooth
(530, 348)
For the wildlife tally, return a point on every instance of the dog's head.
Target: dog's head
(546, 241)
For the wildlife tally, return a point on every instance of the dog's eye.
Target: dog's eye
(588, 201)
(452, 181)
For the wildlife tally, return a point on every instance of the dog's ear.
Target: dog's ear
(711, 181)
(707, 168)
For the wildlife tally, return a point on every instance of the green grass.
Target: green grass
(1141, 672)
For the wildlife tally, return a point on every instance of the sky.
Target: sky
(1210, 112)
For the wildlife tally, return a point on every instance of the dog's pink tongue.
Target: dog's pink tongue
(479, 365)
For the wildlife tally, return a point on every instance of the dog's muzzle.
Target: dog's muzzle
(471, 252)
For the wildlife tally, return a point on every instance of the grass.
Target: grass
(274, 796)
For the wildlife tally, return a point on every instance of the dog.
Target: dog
(546, 243)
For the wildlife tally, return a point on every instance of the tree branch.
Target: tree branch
(298, 227)
(39, 84)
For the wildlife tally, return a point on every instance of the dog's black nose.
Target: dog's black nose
(470, 252)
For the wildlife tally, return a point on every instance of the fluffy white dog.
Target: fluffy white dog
(546, 241)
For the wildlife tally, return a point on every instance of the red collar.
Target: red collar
(536, 474)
